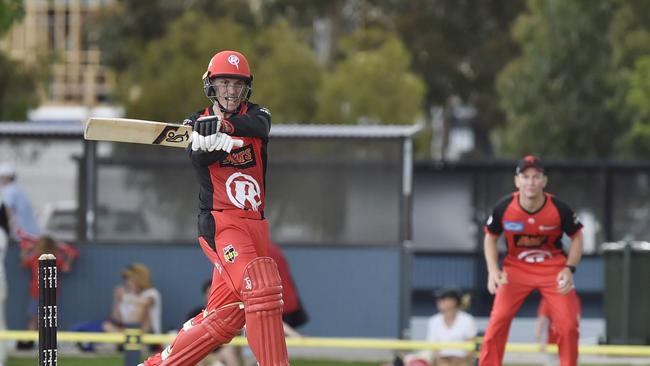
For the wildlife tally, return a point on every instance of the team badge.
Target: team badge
(234, 60)
(244, 191)
(229, 253)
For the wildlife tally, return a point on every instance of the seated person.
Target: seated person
(450, 324)
(135, 302)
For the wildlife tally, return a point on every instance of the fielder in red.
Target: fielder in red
(228, 152)
(533, 223)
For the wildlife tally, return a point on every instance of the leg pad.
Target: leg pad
(262, 296)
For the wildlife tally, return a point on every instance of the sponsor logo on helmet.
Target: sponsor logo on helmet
(229, 253)
(234, 60)
(244, 191)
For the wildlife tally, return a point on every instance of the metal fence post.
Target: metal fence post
(132, 345)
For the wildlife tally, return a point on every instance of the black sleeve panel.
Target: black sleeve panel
(255, 123)
(570, 222)
(494, 224)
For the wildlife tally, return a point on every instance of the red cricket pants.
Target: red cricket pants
(238, 241)
(523, 278)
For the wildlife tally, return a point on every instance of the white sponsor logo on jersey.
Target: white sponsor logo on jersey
(547, 228)
(534, 256)
(242, 189)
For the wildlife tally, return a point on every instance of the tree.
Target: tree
(17, 87)
(10, 11)
(372, 85)
(289, 76)
(557, 94)
(126, 27)
(17, 84)
(630, 38)
(164, 82)
(636, 141)
(458, 48)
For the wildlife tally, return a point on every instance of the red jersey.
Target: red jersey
(235, 180)
(31, 262)
(533, 237)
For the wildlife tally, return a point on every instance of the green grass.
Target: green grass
(118, 361)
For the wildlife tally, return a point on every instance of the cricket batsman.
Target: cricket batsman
(533, 223)
(233, 233)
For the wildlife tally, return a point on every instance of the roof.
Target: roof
(67, 129)
(345, 131)
(74, 129)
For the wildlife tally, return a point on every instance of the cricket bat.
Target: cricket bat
(140, 132)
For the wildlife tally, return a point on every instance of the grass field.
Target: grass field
(118, 361)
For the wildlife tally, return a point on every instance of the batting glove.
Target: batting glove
(223, 142)
(205, 132)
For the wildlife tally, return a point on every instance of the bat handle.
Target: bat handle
(237, 143)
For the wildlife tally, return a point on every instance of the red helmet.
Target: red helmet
(230, 64)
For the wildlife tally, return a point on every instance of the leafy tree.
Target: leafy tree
(372, 85)
(557, 94)
(165, 81)
(288, 74)
(126, 27)
(10, 12)
(458, 48)
(17, 87)
(637, 139)
(630, 38)
(16, 83)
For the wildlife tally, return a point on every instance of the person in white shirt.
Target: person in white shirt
(136, 302)
(17, 202)
(450, 324)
